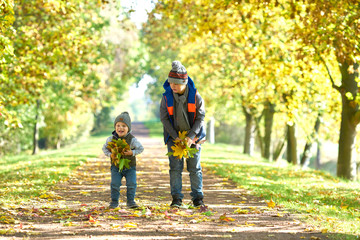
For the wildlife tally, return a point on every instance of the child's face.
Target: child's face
(178, 88)
(121, 129)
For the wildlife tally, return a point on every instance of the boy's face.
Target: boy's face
(178, 88)
(121, 129)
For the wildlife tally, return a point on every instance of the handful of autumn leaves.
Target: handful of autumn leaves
(181, 149)
(118, 148)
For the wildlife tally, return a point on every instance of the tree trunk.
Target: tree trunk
(259, 135)
(305, 159)
(36, 129)
(58, 143)
(212, 130)
(269, 119)
(318, 156)
(249, 134)
(291, 146)
(280, 148)
(346, 165)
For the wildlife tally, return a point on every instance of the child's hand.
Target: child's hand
(128, 153)
(189, 141)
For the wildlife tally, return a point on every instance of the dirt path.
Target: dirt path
(78, 208)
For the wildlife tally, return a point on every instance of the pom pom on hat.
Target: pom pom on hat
(178, 73)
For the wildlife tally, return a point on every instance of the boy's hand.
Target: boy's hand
(189, 141)
(128, 153)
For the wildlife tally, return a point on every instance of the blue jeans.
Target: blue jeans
(195, 172)
(116, 176)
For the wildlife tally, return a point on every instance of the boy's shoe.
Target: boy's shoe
(132, 205)
(113, 204)
(176, 202)
(198, 202)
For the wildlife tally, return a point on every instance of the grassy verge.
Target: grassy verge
(26, 176)
(156, 129)
(327, 203)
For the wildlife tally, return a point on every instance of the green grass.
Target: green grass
(26, 176)
(328, 203)
(156, 129)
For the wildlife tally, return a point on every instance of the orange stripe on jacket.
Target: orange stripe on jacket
(191, 107)
(170, 110)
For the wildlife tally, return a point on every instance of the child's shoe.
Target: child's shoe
(198, 202)
(113, 204)
(132, 205)
(176, 202)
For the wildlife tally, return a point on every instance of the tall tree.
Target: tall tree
(243, 56)
(332, 27)
(6, 56)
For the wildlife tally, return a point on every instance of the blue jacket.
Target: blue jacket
(169, 100)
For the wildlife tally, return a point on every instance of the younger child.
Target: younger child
(122, 125)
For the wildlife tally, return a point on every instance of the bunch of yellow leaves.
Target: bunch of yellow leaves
(117, 148)
(181, 149)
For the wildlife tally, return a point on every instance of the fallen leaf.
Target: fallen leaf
(271, 204)
(203, 208)
(130, 225)
(225, 218)
(249, 224)
(241, 211)
(91, 219)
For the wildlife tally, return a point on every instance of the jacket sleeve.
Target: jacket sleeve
(199, 118)
(164, 117)
(136, 147)
(106, 151)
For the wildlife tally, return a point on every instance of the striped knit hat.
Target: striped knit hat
(178, 73)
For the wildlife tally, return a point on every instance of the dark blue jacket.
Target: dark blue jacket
(191, 107)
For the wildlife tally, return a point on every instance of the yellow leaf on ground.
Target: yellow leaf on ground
(130, 225)
(225, 218)
(241, 211)
(249, 224)
(91, 219)
(271, 204)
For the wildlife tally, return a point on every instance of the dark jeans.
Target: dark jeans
(195, 172)
(116, 176)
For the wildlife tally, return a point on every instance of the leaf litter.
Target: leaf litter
(78, 208)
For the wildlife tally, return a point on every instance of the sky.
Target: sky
(139, 15)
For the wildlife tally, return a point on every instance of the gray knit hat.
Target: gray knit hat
(125, 118)
(178, 73)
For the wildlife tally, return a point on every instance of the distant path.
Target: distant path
(77, 209)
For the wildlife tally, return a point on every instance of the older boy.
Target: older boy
(182, 109)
